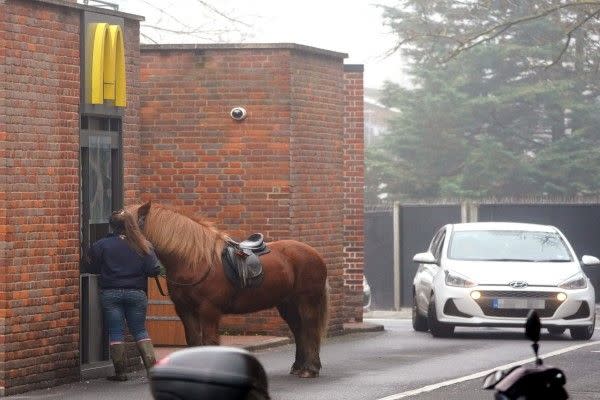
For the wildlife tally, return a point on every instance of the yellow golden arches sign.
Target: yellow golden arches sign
(108, 65)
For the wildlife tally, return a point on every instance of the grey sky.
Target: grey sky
(348, 26)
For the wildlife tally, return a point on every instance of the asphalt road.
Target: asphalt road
(398, 362)
(393, 364)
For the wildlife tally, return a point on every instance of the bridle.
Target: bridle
(141, 223)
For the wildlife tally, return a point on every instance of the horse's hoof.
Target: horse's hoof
(296, 368)
(308, 374)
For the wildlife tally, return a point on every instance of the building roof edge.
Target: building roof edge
(243, 46)
(99, 10)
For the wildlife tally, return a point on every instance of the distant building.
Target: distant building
(377, 116)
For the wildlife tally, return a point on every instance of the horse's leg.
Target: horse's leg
(211, 317)
(289, 313)
(313, 314)
(191, 325)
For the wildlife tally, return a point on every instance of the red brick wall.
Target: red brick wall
(195, 156)
(316, 159)
(39, 261)
(4, 247)
(39, 202)
(354, 172)
(131, 120)
(278, 172)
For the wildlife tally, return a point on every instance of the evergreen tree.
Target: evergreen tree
(516, 114)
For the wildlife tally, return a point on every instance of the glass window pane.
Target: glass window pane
(100, 192)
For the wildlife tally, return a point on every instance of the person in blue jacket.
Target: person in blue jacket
(125, 259)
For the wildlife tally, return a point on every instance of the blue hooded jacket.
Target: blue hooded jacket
(120, 266)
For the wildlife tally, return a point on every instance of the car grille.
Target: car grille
(488, 296)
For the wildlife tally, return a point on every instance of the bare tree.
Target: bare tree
(190, 21)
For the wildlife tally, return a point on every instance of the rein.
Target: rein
(141, 223)
(175, 283)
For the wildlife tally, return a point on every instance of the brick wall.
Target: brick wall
(39, 202)
(4, 247)
(132, 169)
(270, 172)
(39, 262)
(316, 158)
(354, 172)
(195, 156)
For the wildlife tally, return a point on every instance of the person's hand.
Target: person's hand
(162, 269)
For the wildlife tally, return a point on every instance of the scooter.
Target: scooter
(528, 382)
(210, 372)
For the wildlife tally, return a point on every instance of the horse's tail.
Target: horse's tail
(323, 310)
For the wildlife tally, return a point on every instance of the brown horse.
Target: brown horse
(295, 281)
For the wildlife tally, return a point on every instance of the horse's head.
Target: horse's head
(140, 213)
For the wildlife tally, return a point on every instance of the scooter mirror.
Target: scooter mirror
(533, 326)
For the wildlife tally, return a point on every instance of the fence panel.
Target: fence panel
(379, 258)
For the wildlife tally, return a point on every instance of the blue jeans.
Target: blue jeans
(120, 305)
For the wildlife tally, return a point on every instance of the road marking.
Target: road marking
(481, 374)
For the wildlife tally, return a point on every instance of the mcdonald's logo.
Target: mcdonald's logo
(107, 80)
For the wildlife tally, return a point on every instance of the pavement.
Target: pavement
(262, 342)
(137, 387)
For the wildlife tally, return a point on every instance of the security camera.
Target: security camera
(238, 113)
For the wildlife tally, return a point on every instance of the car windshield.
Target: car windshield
(502, 245)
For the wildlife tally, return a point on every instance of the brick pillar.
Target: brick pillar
(354, 173)
(3, 190)
(316, 161)
(131, 119)
(39, 204)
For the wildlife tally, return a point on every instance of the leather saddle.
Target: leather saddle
(241, 261)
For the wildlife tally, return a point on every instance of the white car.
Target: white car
(493, 273)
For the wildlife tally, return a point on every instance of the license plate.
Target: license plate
(519, 303)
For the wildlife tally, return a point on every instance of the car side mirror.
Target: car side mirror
(209, 372)
(425, 258)
(590, 261)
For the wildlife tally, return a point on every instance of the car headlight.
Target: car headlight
(458, 280)
(577, 281)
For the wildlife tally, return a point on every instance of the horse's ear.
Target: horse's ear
(144, 210)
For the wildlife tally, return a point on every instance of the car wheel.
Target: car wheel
(583, 332)
(419, 322)
(554, 330)
(437, 328)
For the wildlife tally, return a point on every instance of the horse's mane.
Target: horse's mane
(194, 241)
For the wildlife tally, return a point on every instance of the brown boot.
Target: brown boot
(147, 352)
(117, 354)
